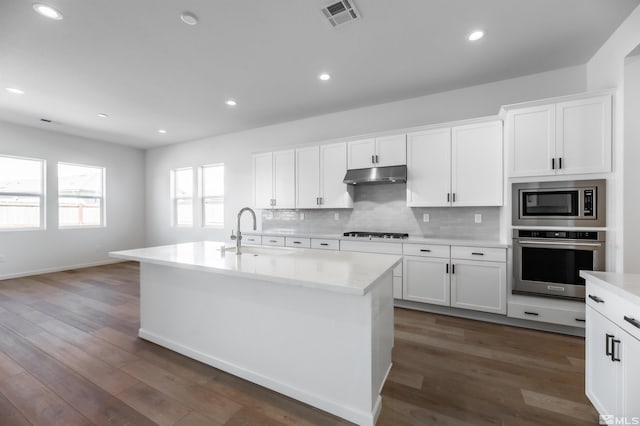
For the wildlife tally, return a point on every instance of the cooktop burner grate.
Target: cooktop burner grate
(367, 234)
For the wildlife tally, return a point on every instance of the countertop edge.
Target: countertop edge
(624, 293)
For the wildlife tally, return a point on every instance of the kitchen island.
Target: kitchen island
(311, 324)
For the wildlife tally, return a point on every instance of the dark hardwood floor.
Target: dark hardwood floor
(70, 355)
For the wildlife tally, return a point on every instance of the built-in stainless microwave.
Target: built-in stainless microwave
(566, 203)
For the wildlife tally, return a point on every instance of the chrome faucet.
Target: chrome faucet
(238, 238)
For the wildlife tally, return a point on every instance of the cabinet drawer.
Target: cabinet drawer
(272, 241)
(426, 250)
(325, 244)
(371, 247)
(620, 311)
(252, 240)
(479, 253)
(297, 242)
(574, 318)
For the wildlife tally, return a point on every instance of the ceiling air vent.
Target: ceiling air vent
(340, 12)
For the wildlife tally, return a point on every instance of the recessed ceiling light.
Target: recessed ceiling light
(476, 35)
(189, 18)
(14, 91)
(162, 131)
(231, 102)
(324, 76)
(47, 11)
(103, 115)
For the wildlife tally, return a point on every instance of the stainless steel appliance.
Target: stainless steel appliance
(566, 203)
(373, 175)
(547, 263)
(370, 235)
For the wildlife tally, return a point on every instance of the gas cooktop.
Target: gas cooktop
(367, 234)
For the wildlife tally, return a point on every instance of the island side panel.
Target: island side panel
(317, 346)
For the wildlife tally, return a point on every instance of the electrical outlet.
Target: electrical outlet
(336, 216)
(425, 217)
(478, 218)
(301, 215)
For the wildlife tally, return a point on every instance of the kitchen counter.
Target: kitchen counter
(314, 325)
(413, 239)
(627, 286)
(343, 272)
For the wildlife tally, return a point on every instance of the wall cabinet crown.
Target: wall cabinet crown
(377, 152)
(274, 180)
(320, 172)
(456, 166)
(563, 138)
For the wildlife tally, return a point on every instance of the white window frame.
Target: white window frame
(41, 195)
(175, 198)
(219, 199)
(102, 197)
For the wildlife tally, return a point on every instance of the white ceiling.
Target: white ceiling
(138, 62)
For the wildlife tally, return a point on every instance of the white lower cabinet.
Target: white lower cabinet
(478, 285)
(451, 276)
(426, 279)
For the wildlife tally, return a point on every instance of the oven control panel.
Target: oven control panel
(563, 235)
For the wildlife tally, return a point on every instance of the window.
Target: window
(80, 195)
(213, 195)
(21, 193)
(182, 196)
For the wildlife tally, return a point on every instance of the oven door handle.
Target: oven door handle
(558, 243)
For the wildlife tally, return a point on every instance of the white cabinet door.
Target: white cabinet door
(308, 177)
(284, 174)
(360, 153)
(391, 150)
(334, 192)
(480, 286)
(263, 180)
(425, 279)
(630, 359)
(428, 168)
(531, 141)
(583, 136)
(603, 376)
(476, 164)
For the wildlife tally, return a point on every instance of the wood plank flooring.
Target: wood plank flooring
(70, 355)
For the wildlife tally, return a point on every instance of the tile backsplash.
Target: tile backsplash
(384, 208)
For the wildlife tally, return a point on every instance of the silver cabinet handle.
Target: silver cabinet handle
(634, 322)
(425, 250)
(556, 243)
(477, 254)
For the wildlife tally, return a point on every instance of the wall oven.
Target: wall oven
(547, 263)
(565, 203)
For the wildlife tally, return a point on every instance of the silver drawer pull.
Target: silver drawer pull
(535, 314)
(297, 242)
(477, 254)
(425, 250)
(634, 322)
(555, 288)
(273, 241)
(324, 244)
(581, 320)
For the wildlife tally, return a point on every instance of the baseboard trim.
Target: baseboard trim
(59, 269)
(487, 317)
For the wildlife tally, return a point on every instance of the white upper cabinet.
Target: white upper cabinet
(476, 164)
(377, 152)
(565, 138)
(334, 193)
(428, 168)
(263, 180)
(458, 166)
(274, 180)
(320, 172)
(308, 177)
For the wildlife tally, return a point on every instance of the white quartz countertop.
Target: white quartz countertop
(344, 272)
(411, 240)
(626, 286)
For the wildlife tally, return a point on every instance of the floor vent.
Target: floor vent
(341, 12)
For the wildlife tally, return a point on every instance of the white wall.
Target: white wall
(606, 69)
(29, 252)
(631, 171)
(235, 149)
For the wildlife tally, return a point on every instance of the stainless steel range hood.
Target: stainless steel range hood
(391, 174)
